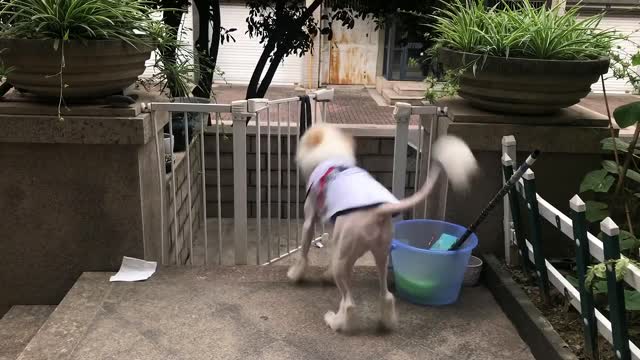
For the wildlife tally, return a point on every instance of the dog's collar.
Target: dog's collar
(322, 181)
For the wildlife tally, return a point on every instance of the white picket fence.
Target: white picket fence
(565, 225)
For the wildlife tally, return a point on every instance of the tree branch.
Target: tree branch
(268, 77)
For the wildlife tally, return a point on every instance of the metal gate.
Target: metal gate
(270, 127)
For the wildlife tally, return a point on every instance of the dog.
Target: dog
(361, 210)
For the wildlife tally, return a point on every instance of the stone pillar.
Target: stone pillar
(570, 146)
(75, 195)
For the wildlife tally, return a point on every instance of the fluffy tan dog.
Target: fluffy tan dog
(361, 210)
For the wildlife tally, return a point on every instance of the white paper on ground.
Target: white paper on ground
(133, 269)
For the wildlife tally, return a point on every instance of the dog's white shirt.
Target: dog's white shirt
(337, 187)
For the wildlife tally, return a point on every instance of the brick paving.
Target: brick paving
(355, 105)
(350, 106)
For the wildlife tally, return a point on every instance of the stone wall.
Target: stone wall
(182, 213)
(375, 154)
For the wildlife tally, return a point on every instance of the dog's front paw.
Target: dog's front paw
(389, 318)
(331, 319)
(341, 321)
(296, 271)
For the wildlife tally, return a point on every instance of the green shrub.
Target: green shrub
(525, 32)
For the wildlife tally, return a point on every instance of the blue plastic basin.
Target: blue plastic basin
(428, 277)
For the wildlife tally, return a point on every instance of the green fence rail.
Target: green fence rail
(614, 328)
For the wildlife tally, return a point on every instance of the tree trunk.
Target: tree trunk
(268, 77)
(252, 89)
(259, 88)
(208, 11)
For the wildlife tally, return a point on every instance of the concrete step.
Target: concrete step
(254, 312)
(392, 97)
(19, 326)
(410, 88)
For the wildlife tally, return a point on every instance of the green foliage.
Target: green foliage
(526, 32)
(131, 21)
(603, 200)
(438, 89)
(597, 181)
(628, 114)
(632, 300)
(625, 65)
(620, 145)
(628, 241)
(596, 211)
(611, 167)
(599, 271)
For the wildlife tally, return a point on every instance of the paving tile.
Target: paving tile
(254, 312)
(18, 326)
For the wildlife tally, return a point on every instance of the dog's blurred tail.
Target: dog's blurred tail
(451, 154)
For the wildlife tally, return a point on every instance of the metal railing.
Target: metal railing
(531, 258)
(251, 143)
(432, 124)
(249, 120)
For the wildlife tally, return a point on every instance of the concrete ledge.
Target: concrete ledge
(534, 329)
(23, 121)
(550, 139)
(461, 111)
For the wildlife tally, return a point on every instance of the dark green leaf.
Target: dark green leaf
(610, 166)
(632, 300)
(597, 181)
(635, 59)
(628, 114)
(573, 281)
(627, 240)
(596, 211)
(600, 287)
(621, 145)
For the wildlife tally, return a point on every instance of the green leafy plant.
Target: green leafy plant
(524, 31)
(446, 87)
(131, 21)
(615, 187)
(624, 65)
(519, 31)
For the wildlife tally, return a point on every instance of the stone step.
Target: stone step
(392, 97)
(255, 312)
(410, 89)
(19, 326)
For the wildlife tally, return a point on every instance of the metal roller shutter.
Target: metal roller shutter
(237, 60)
(628, 25)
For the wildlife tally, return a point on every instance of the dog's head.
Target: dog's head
(324, 142)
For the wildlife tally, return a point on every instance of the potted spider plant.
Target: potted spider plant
(81, 49)
(522, 59)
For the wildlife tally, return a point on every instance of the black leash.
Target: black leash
(305, 113)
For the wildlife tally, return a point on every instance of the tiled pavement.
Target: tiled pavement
(354, 105)
(350, 106)
(255, 313)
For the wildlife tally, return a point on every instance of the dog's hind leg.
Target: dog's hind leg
(343, 319)
(343, 259)
(388, 316)
(296, 271)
